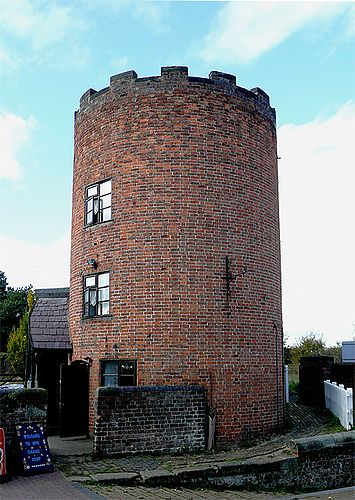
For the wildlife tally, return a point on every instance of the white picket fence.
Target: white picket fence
(340, 402)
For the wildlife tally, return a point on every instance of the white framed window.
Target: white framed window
(97, 294)
(98, 199)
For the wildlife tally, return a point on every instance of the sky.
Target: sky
(301, 53)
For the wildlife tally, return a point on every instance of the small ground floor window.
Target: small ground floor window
(118, 372)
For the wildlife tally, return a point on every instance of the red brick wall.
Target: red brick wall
(193, 164)
(150, 419)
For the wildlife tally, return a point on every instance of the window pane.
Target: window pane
(92, 310)
(104, 308)
(89, 205)
(110, 367)
(89, 281)
(104, 279)
(103, 294)
(93, 297)
(127, 368)
(105, 188)
(127, 375)
(89, 218)
(106, 214)
(110, 381)
(91, 191)
(106, 201)
(96, 205)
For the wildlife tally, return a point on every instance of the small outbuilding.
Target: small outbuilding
(49, 347)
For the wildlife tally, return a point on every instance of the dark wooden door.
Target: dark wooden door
(74, 399)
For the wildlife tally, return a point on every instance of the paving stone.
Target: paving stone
(195, 471)
(157, 477)
(116, 477)
(78, 479)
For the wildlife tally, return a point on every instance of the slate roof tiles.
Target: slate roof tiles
(49, 319)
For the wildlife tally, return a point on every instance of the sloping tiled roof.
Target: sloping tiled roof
(49, 319)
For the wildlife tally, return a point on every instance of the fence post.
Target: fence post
(287, 395)
(349, 408)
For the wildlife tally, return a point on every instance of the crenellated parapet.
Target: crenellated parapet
(178, 77)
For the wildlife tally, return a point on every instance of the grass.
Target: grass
(333, 424)
(293, 386)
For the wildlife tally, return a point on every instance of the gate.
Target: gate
(74, 399)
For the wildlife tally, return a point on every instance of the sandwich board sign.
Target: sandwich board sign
(2, 454)
(35, 454)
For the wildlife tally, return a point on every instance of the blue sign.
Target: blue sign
(35, 453)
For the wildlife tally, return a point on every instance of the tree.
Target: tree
(310, 344)
(3, 286)
(13, 303)
(18, 340)
(335, 351)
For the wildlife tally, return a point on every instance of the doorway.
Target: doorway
(74, 399)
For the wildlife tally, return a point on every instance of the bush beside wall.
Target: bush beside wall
(20, 406)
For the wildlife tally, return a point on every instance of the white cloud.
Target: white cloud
(41, 25)
(154, 14)
(42, 266)
(44, 23)
(120, 64)
(14, 137)
(317, 205)
(350, 29)
(245, 30)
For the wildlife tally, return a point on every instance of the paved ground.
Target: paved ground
(137, 493)
(73, 457)
(50, 486)
(54, 486)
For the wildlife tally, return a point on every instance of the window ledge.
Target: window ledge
(87, 226)
(98, 316)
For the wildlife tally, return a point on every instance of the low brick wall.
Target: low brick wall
(150, 419)
(20, 406)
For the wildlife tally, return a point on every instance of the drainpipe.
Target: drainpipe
(277, 374)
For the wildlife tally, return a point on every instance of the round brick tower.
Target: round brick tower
(175, 257)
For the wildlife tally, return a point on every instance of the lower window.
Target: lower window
(118, 372)
(97, 294)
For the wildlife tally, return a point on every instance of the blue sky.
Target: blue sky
(301, 53)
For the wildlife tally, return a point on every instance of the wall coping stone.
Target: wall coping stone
(17, 393)
(315, 443)
(150, 388)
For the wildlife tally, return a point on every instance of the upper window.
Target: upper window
(97, 294)
(98, 203)
(118, 372)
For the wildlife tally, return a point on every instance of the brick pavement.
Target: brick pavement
(50, 486)
(143, 493)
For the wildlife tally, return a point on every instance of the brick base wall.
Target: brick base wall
(150, 419)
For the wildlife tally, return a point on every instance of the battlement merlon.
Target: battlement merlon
(179, 74)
